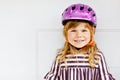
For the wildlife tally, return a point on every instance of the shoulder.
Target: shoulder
(59, 52)
(100, 54)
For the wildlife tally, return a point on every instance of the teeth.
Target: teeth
(78, 40)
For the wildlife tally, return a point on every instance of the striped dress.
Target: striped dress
(78, 68)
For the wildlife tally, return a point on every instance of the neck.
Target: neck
(78, 48)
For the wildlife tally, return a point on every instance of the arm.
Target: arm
(103, 68)
(53, 73)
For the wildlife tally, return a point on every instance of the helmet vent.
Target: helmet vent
(82, 7)
(73, 8)
(93, 15)
(89, 9)
(66, 9)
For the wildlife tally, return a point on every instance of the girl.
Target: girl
(79, 59)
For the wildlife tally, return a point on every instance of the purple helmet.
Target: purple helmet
(78, 12)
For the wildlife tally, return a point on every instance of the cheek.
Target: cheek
(88, 36)
(71, 36)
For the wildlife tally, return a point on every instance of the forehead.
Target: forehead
(80, 26)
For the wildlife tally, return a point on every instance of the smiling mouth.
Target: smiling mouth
(78, 41)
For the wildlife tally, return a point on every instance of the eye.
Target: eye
(73, 30)
(84, 30)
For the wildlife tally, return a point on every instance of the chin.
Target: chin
(79, 46)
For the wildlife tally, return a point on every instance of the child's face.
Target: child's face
(79, 36)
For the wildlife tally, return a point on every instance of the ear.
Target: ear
(93, 29)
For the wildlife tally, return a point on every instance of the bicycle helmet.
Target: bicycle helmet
(80, 12)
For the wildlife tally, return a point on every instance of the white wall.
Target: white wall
(31, 31)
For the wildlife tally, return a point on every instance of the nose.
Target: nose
(79, 34)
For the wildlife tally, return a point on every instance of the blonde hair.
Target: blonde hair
(69, 49)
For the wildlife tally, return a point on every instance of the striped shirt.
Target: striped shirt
(78, 68)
